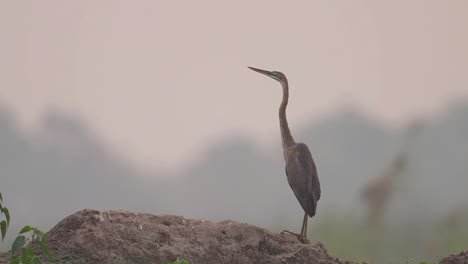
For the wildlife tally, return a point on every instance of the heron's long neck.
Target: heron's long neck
(286, 137)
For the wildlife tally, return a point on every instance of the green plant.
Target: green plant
(28, 256)
(178, 261)
(4, 223)
(20, 252)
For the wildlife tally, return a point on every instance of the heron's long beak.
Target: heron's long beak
(267, 73)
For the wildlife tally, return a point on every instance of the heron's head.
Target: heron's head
(279, 76)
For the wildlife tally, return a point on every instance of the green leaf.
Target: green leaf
(3, 227)
(26, 229)
(7, 215)
(38, 233)
(1, 198)
(17, 245)
(44, 247)
(179, 261)
(14, 260)
(25, 256)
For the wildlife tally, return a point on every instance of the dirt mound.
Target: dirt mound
(4, 257)
(461, 258)
(90, 236)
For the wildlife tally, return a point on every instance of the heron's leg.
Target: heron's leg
(307, 224)
(302, 229)
(303, 236)
(304, 224)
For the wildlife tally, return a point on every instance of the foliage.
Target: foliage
(20, 252)
(178, 261)
(28, 256)
(347, 237)
(4, 223)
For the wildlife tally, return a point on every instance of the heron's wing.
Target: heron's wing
(302, 177)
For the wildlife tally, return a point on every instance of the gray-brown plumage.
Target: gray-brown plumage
(300, 167)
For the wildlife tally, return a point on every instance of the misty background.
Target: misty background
(62, 166)
(149, 106)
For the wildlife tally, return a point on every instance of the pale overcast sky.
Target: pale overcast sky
(161, 80)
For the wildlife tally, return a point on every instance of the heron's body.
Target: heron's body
(300, 167)
(302, 177)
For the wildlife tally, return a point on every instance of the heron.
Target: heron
(301, 171)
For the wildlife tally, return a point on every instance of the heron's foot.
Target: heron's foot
(289, 232)
(303, 239)
(300, 237)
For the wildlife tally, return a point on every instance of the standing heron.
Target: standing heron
(300, 167)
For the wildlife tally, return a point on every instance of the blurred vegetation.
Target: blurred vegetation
(349, 238)
(349, 149)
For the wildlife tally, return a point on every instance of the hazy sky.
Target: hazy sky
(160, 80)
